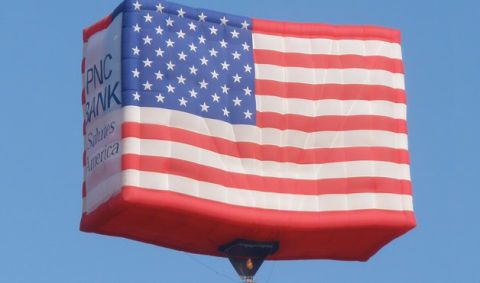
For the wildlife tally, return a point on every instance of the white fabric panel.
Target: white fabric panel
(329, 76)
(316, 108)
(327, 46)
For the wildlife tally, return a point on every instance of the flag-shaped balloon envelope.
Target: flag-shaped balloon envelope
(225, 135)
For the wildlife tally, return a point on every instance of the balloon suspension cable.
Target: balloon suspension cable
(247, 256)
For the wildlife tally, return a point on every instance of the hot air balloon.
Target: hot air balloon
(245, 138)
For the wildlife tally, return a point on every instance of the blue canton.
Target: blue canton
(192, 60)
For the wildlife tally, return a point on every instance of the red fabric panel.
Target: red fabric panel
(330, 123)
(98, 26)
(84, 99)
(307, 30)
(329, 91)
(327, 61)
(83, 65)
(84, 189)
(200, 226)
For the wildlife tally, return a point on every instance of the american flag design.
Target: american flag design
(285, 125)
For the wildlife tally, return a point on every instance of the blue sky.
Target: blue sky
(41, 149)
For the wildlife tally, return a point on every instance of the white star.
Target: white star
(136, 73)
(201, 39)
(136, 96)
(234, 33)
(204, 107)
(202, 17)
(182, 56)
(223, 43)
(203, 84)
(245, 25)
(147, 86)
(181, 34)
(170, 43)
(136, 51)
(236, 55)
(148, 18)
(248, 91)
(136, 28)
(159, 52)
(193, 93)
(147, 40)
(204, 60)
(225, 111)
(159, 75)
(169, 22)
(236, 78)
(214, 74)
(181, 12)
(215, 98)
(137, 6)
(224, 21)
(225, 65)
(193, 70)
(170, 66)
(170, 88)
(160, 98)
(183, 102)
(159, 30)
(225, 89)
(192, 26)
(248, 115)
(246, 46)
(213, 52)
(147, 63)
(160, 9)
(181, 79)
(213, 30)
(248, 69)
(237, 101)
(193, 48)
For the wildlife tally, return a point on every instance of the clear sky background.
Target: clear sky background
(41, 149)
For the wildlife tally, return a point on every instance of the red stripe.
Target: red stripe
(266, 184)
(330, 123)
(329, 91)
(307, 30)
(84, 98)
(327, 61)
(97, 27)
(84, 158)
(83, 65)
(263, 152)
(201, 226)
(84, 189)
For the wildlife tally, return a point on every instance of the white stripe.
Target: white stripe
(349, 169)
(327, 46)
(103, 170)
(103, 192)
(329, 76)
(263, 136)
(267, 200)
(315, 108)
